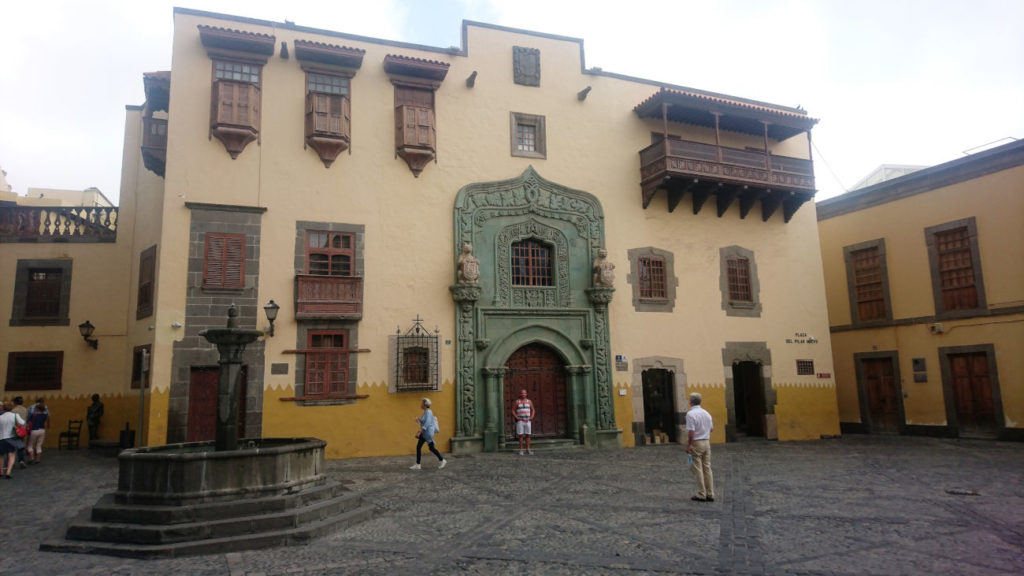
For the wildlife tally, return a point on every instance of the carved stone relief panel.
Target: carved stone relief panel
(526, 65)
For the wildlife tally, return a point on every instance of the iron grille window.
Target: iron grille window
(224, 266)
(867, 282)
(416, 365)
(43, 298)
(34, 370)
(739, 280)
(531, 263)
(526, 137)
(327, 364)
(956, 269)
(805, 367)
(329, 253)
(652, 278)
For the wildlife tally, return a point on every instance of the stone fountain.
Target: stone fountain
(213, 497)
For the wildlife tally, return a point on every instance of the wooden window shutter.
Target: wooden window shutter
(225, 261)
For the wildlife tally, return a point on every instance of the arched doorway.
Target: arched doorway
(537, 369)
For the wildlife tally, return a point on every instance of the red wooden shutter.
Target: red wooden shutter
(225, 261)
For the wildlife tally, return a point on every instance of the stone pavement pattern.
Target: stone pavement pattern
(857, 506)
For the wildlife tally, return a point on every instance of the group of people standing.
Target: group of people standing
(22, 431)
(699, 426)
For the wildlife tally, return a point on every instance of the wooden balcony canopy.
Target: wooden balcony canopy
(703, 169)
(735, 115)
(158, 90)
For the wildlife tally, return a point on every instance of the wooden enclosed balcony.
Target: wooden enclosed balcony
(328, 297)
(154, 144)
(701, 169)
(681, 166)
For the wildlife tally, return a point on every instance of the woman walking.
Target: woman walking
(425, 435)
(38, 422)
(9, 440)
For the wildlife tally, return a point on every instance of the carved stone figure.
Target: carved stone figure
(604, 271)
(469, 266)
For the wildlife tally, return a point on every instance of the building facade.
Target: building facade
(465, 223)
(925, 282)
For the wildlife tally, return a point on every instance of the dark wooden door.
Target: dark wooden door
(882, 395)
(748, 394)
(538, 370)
(972, 392)
(659, 412)
(202, 404)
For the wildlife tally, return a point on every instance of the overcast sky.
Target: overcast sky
(892, 81)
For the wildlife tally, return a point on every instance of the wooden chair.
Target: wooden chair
(69, 438)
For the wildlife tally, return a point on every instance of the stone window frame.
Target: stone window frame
(19, 306)
(395, 363)
(57, 357)
(304, 327)
(742, 309)
(933, 263)
(633, 279)
(851, 288)
(540, 149)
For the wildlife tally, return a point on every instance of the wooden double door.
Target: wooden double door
(881, 393)
(537, 369)
(972, 394)
(203, 390)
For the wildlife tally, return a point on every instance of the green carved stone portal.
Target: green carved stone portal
(495, 316)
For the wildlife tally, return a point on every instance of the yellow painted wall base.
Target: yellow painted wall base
(806, 413)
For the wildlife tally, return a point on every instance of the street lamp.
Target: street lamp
(86, 329)
(271, 310)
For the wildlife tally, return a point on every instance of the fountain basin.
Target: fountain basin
(194, 473)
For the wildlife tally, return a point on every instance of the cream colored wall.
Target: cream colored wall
(997, 204)
(592, 145)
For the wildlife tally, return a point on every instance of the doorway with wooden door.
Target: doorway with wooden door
(971, 385)
(202, 403)
(881, 392)
(537, 369)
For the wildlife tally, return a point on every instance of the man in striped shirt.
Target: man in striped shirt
(523, 413)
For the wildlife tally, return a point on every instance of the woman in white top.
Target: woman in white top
(9, 440)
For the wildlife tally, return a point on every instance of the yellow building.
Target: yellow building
(925, 282)
(464, 223)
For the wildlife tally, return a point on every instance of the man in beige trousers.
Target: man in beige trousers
(698, 445)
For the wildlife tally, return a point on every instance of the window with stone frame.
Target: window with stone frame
(224, 261)
(531, 263)
(329, 253)
(954, 258)
(867, 282)
(739, 282)
(147, 277)
(528, 133)
(42, 293)
(415, 356)
(653, 280)
(327, 364)
(34, 371)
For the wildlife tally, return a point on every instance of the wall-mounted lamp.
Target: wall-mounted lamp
(86, 329)
(582, 94)
(271, 310)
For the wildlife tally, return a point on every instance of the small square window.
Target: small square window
(528, 136)
(805, 367)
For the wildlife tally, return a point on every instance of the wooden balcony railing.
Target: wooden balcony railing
(58, 224)
(328, 297)
(682, 166)
(683, 158)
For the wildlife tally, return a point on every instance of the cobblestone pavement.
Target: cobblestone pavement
(857, 505)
